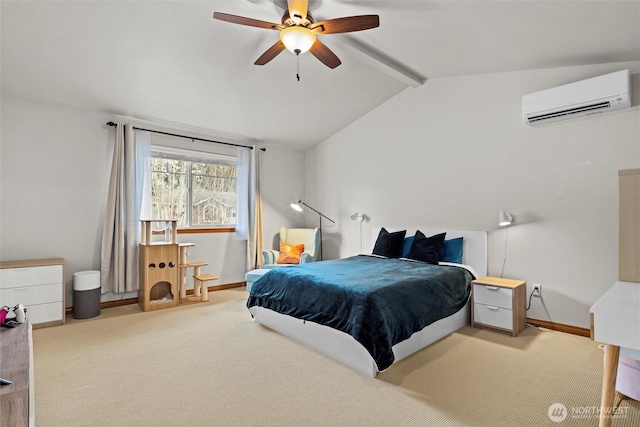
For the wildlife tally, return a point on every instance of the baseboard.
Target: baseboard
(129, 301)
(222, 287)
(575, 330)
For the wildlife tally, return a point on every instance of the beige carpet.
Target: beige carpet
(209, 364)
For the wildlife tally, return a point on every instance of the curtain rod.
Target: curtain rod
(189, 137)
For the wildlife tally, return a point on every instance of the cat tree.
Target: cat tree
(163, 270)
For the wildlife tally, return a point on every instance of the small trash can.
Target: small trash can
(86, 294)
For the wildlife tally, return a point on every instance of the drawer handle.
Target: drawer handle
(492, 288)
(490, 307)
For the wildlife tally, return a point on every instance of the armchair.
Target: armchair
(310, 237)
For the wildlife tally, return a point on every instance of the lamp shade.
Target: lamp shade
(505, 219)
(296, 206)
(297, 39)
(357, 217)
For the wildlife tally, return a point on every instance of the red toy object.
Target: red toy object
(3, 313)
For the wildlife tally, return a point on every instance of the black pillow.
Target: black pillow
(426, 249)
(389, 244)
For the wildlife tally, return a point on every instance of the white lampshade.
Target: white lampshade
(357, 217)
(297, 39)
(505, 219)
(296, 206)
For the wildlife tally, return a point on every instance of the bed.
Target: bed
(356, 300)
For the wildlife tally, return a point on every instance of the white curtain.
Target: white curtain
(129, 197)
(143, 176)
(254, 243)
(249, 208)
(243, 169)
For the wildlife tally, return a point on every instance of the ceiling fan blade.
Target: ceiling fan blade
(271, 53)
(298, 9)
(325, 55)
(235, 19)
(346, 25)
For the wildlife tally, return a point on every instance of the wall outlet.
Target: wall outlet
(537, 290)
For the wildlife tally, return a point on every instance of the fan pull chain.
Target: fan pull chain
(298, 65)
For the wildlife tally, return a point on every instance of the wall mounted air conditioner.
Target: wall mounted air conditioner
(591, 96)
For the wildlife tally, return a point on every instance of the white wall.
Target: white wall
(54, 172)
(282, 182)
(454, 152)
(54, 169)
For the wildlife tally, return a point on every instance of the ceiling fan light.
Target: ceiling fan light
(297, 39)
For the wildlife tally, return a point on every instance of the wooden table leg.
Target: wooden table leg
(611, 357)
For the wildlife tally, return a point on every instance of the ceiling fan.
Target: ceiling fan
(298, 31)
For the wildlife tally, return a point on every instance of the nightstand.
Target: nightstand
(499, 304)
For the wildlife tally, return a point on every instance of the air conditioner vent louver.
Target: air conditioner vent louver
(571, 111)
(592, 96)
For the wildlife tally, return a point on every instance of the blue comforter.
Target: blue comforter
(378, 301)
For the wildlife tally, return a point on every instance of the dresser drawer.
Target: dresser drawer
(28, 295)
(492, 315)
(30, 276)
(41, 313)
(493, 295)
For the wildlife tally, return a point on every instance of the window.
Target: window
(197, 189)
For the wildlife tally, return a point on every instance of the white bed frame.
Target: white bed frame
(345, 349)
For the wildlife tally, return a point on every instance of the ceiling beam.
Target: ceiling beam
(378, 60)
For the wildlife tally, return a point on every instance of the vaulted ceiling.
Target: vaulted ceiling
(171, 62)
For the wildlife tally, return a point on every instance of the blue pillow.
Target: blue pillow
(451, 251)
(406, 245)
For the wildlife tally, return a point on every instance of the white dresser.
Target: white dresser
(38, 285)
